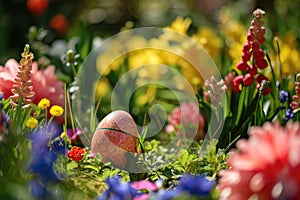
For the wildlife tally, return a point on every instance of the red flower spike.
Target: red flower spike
(255, 37)
(252, 70)
(242, 66)
(248, 80)
(246, 56)
(259, 54)
(250, 37)
(260, 78)
(262, 64)
(255, 46)
(267, 91)
(237, 83)
(262, 40)
(246, 47)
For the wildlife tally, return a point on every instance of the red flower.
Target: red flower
(76, 153)
(242, 66)
(237, 81)
(59, 23)
(267, 166)
(37, 7)
(248, 80)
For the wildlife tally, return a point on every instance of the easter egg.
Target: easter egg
(115, 136)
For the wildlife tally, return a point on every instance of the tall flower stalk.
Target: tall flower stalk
(23, 90)
(253, 56)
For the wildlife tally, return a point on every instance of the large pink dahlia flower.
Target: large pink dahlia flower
(267, 166)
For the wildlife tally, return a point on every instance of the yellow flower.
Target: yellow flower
(31, 122)
(56, 111)
(63, 134)
(181, 25)
(210, 41)
(44, 103)
(289, 55)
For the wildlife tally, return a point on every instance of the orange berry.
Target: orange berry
(37, 7)
(59, 23)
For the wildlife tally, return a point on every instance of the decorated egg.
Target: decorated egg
(115, 136)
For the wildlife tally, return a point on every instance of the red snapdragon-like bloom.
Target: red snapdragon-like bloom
(237, 81)
(267, 166)
(76, 153)
(252, 49)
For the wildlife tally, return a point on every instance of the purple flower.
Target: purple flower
(73, 135)
(283, 96)
(117, 190)
(289, 114)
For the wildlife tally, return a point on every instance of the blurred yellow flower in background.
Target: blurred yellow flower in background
(289, 55)
(181, 25)
(167, 49)
(210, 41)
(102, 87)
(234, 34)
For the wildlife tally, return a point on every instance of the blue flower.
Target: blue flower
(283, 96)
(58, 145)
(197, 186)
(44, 154)
(38, 190)
(117, 190)
(168, 194)
(4, 118)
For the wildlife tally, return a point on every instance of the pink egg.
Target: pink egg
(115, 136)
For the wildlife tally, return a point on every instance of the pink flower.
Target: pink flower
(192, 121)
(44, 82)
(144, 185)
(267, 166)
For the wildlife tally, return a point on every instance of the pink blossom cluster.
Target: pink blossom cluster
(295, 104)
(214, 91)
(187, 119)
